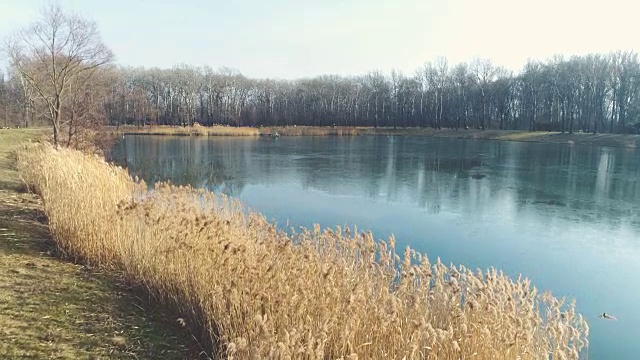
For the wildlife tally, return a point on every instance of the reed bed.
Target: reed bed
(195, 130)
(315, 131)
(259, 293)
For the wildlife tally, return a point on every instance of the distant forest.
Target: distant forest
(591, 93)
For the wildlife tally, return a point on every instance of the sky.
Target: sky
(297, 38)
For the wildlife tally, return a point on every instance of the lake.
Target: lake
(567, 217)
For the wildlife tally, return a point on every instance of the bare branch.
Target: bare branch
(58, 55)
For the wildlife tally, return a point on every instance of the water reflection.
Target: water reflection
(565, 216)
(576, 183)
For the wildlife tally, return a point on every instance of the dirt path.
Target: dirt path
(52, 309)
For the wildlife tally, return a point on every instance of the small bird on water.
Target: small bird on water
(607, 316)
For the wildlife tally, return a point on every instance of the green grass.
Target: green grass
(50, 308)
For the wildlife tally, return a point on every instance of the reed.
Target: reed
(260, 293)
(315, 131)
(195, 130)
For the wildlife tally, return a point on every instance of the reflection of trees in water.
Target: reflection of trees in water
(179, 161)
(470, 177)
(585, 184)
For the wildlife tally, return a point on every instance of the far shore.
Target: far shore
(611, 140)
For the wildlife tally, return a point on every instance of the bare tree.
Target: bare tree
(484, 73)
(4, 100)
(84, 110)
(532, 88)
(560, 94)
(57, 55)
(436, 76)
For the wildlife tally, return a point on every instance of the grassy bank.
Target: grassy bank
(611, 140)
(258, 293)
(9, 141)
(50, 308)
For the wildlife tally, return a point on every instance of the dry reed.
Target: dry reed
(315, 131)
(195, 130)
(317, 294)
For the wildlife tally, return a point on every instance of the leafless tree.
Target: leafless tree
(577, 94)
(484, 73)
(58, 55)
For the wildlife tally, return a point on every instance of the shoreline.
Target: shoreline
(184, 244)
(576, 138)
(54, 308)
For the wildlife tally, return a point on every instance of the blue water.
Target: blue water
(567, 217)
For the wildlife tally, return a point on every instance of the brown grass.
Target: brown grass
(10, 140)
(523, 135)
(195, 130)
(312, 131)
(318, 294)
(612, 140)
(55, 309)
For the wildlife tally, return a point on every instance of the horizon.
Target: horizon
(345, 38)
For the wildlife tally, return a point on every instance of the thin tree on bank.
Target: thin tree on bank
(57, 56)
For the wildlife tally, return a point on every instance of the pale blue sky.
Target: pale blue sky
(291, 39)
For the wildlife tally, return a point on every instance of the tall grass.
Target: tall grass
(195, 130)
(315, 131)
(318, 294)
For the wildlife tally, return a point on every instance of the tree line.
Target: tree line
(73, 82)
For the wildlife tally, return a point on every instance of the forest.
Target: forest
(588, 93)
